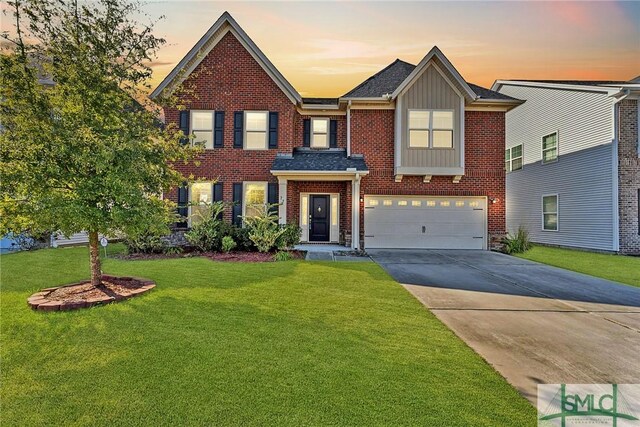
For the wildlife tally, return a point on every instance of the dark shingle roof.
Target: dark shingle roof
(320, 101)
(306, 159)
(383, 82)
(389, 78)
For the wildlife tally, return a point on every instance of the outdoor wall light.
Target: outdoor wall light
(493, 200)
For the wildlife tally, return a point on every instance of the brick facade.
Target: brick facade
(629, 177)
(229, 79)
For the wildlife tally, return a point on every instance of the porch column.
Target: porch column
(282, 195)
(355, 212)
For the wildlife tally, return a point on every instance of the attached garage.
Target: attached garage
(423, 222)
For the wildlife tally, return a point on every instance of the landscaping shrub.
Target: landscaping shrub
(207, 233)
(264, 230)
(240, 235)
(517, 243)
(145, 243)
(282, 256)
(290, 236)
(228, 244)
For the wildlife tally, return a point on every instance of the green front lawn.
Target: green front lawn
(290, 343)
(623, 269)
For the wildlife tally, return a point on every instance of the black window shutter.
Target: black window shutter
(218, 130)
(237, 204)
(333, 133)
(184, 126)
(272, 196)
(273, 129)
(306, 132)
(183, 205)
(217, 193)
(238, 129)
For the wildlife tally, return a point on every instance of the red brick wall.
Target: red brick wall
(629, 178)
(372, 134)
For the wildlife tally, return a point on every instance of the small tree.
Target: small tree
(82, 154)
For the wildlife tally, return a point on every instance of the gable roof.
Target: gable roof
(213, 35)
(387, 80)
(383, 82)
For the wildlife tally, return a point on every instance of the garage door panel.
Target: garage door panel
(449, 222)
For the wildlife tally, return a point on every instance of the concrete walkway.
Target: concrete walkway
(534, 323)
(328, 252)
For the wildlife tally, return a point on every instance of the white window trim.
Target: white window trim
(190, 202)
(326, 119)
(245, 131)
(213, 126)
(557, 212)
(511, 158)
(431, 129)
(549, 149)
(244, 193)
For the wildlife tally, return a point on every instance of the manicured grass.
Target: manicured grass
(619, 268)
(290, 343)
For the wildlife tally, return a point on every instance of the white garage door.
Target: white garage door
(425, 222)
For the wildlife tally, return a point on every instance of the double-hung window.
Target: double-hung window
(256, 130)
(202, 128)
(550, 148)
(430, 129)
(254, 198)
(550, 212)
(513, 158)
(201, 196)
(319, 133)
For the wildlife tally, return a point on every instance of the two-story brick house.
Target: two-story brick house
(410, 158)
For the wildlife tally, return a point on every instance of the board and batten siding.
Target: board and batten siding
(582, 177)
(430, 91)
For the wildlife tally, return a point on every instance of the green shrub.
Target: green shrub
(517, 243)
(264, 230)
(240, 235)
(290, 236)
(207, 233)
(145, 243)
(282, 256)
(228, 244)
(173, 250)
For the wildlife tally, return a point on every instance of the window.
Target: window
(202, 128)
(402, 203)
(550, 212)
(255, 198)
(201, 197)
(513, 158)
(550, 148)
(373, 202)
(416, 203)
(320, 133)
(256, 130)
(430, 128)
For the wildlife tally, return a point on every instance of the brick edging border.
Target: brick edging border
(38, 300)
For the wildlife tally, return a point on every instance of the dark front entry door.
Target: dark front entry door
(319, 219)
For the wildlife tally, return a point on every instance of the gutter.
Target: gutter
(349, 129)
(614, 171)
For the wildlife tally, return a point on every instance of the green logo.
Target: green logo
(584, 403)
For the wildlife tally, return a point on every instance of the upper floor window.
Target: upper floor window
(513, 158)
(550, 148)
(202, 128)
(430, 129)
(320, 133)
(256, 130)
(550, 212)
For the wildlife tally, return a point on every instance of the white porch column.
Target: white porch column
(282, 195)
(355, 212)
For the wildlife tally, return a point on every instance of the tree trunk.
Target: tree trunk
(94, 252)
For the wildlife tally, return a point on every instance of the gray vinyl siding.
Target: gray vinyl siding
(583, 182)
(582, 119)
(430, 91)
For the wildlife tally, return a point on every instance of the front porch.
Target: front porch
(316, 191)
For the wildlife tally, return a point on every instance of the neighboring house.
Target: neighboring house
(410, 158)
(573, 163)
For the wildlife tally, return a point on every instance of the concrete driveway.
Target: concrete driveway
(534, 323)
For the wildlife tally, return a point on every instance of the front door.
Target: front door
(319, 224)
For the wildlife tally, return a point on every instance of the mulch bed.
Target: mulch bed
(216, 256)
(83, 294)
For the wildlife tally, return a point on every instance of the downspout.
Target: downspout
(349, 129)
(614, 172)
